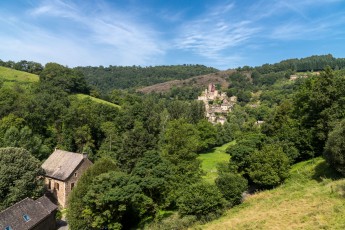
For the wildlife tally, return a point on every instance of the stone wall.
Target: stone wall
(61, 189)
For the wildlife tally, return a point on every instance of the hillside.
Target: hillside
(97, 100)
(312, 198)
(106, 79)
(197, 82)
(11, 76)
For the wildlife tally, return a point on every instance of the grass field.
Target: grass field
(83, 96)
(210, 160)
(11, 76)
(312, 198)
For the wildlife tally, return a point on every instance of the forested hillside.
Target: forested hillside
(106, 79)
(146, 148)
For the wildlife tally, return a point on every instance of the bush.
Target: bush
(202, 200)
(335, 148)
(269, 166)
(232, 186)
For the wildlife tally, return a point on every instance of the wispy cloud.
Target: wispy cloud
(214, 33)
(111, 37)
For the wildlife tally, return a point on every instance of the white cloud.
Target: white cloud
(214, 34)
(109, 36)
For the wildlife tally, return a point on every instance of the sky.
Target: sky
(218, 33)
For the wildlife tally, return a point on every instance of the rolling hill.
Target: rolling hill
(312, 198)
(10, 76)
(201, 81)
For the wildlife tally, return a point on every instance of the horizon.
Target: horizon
(220, 34)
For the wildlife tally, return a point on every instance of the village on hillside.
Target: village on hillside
(217, 104)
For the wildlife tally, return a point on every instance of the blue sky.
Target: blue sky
(218, 33)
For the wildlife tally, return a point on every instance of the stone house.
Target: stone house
(62, 171)
(217, 104)
(29, 214)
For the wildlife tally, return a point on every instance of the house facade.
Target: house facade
(217, 104)
(29, 214)
(62, 172)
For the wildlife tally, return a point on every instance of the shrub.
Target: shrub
(269, 166)
(335, 148)
(232, 186)
(202, 200)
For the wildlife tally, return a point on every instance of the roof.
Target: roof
(36, 211)
(61, 164)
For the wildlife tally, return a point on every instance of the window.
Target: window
(8, 228)
(75, 174)
(72, 186)
(56, 186)
(26, 217)
(50, 184)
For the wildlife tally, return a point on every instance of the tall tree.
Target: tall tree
(19, 176)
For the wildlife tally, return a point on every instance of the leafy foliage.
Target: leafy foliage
(269, 166)
(115, 200)
(19, 176)
(232, 186)
(334, 149)
(123, 77)
(76, 204)
(202, 200)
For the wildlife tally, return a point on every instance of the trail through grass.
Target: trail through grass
(210, 160)
(312, 198)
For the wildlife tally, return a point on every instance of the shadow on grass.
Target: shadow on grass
(208, 151)
(324, 171)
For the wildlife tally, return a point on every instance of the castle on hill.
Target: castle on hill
(217, 104)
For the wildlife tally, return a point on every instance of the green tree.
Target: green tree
(135, 143)
(76, 204)
(202, 200)
(269, 166)
(179, 145)
(208, 135)
(335, 148)
(156, 177)
(19, 176)
(67, 79)
(115, 201)
(232, 186)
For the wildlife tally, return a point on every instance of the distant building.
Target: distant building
(217, 104)
(62, 171)
(29, 214)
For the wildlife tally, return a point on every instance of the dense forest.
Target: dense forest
(106, 79)
(146, 172)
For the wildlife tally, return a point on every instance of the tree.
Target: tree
(202, 200)
(115, 201)
(156, 176)
(19, 176)
(67, 79)
(135, 143)
(76, 204)
(179, 145)
(269, 166)
(232, 186)
(335, 148)
(207, 133)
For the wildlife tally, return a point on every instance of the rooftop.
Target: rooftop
(61, 164)
(26, 213)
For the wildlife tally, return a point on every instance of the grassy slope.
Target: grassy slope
(83, 96)
(10, 76)
(312, 198)
(210, 160)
